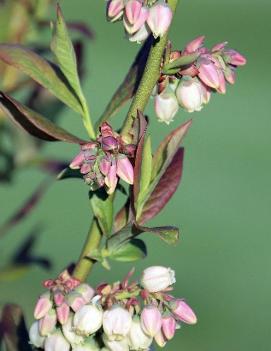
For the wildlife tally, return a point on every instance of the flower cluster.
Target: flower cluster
(105, 160)
(141, 17)
(191, 86)
(120, 317)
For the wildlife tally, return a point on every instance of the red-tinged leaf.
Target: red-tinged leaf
(165, 188)
(34, 123)
(27, 207)
(13, 329)
(42, 71)
(130, 84)
(123, 216)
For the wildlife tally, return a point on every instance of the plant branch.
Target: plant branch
(149, 79)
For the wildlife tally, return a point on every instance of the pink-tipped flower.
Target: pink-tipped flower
(157, 278)
(59, 298)
(105, 165)
(194, 45)
(183, 312)
(109, 143)
(160, 339)
(234, 58)
(151, 320)
(208, 73)
(192, 94)
(43, 306)
(169, 327)
(115, 9)
(56, 342)
(230, 74)
(166, 106)
(135, 16)
(86, 291)
(219, 46)
(111, 179)
(116, 323)
(159, 20)
(48, 323)
(222, 82)
(75, 300)
(125, 169)
(63, 312)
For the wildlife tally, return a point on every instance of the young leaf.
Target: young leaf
(168, 234)
(180, 62)
(102, 206)
(34, 123)
(165, 188)
(130, 84)
(42, 71)
(134, 250)
(64, 52)
(14, 329)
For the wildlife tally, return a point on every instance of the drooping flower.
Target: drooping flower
(88, 319)
(138, 339)
(116, 323)
(157, 278)
(151, 320)
(166, 106)
(183, 312)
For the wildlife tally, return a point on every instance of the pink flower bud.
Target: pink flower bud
(43, 306)
(48, 323)
(115, 9)
(125, 169)
(169, 327)
(111, 179)
(157, 278)
(151, 320)
(104, 166)
(141, 35)
(75, 300)
(109, 143)
(86, 291)
(160, 17)
(166, 106)
(88, 320)
(86, 168)
(183, 312)
(58, 298)
(77, 161)
(116, 323)
(230, 75)
(135, 16)
(195, 44)
(160, 339)
(138, 340)
(219, 46)
(208, 74)
(63, 312)
(56, 342)
(234, 58)
(191, 94)
(222, 82)
(34, 335)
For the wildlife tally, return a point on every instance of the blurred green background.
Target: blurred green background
(223, 205)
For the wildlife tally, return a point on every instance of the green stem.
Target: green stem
(149, 79)
(87, 122)
(93, 240)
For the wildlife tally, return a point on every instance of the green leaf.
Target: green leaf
(42, 71)
(63, 49)
(34, 123)
(129, 86)
(134, 250)
(168, 234)
(13, 329)
(180, 62)
(102, 206)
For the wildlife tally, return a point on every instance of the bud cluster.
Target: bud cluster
(119, 317)
(190, 87)
(141, 17)
(105, 160)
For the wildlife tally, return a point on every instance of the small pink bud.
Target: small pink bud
(151, 320)
(222, 82)
(184, 312)
(104, 166)
(195, 44)
(230, 75)
(169, 327)
(160, 17)
(109, 143)
(75, 300)
(234, 58)
(63, 313)
(157, 278)
(56, 342)
(135, 16)
(160, 339)
(86, 291)
(166, 106)
(208, 74)
(58, 298)
(125, 169)
(86, 168)
(43, 305)
(219, 46)
(115, 9)
(111, 179)
(77, 161)
(48, 323)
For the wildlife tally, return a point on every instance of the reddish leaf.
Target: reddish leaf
(123, 216)
(34, 123)
(165, 188)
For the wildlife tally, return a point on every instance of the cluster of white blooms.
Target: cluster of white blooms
(119, 317)
(141, 17)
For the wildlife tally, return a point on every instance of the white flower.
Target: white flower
(69, 333)
(88, 320)
(116, 323)
(116, 345)
(157, 278)
(138, 340)
(56, 342)
(35, 338)
(166, 106)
